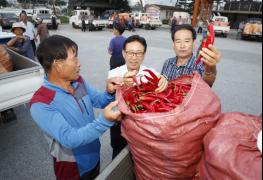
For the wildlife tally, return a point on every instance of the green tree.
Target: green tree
(137, 7)
(3, 3)
(57, 2)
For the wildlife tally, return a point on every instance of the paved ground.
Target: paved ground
(23, 152)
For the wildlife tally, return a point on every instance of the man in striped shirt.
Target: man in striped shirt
(184, 63)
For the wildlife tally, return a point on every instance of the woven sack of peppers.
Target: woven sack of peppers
(231, 150)
(6, 64)
(165, 131)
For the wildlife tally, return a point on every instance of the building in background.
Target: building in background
(240, 10)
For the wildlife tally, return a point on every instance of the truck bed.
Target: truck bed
(120, 169)
(17, 87)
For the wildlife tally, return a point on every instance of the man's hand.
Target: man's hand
(211, 57)
(110, 114)
(23, 38)
(113, 83)
(163, 84)
(128, 78)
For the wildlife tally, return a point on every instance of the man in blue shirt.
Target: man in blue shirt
(184, 63)
(63, 109)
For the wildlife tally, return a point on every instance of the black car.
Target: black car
(7, 19)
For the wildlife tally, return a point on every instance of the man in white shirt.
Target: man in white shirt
(30, 29)
(134, 51)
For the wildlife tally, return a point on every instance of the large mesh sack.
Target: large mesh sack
(169, 145)
(6, 64)
(231, 150)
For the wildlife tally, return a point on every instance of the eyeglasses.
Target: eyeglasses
(136, 54)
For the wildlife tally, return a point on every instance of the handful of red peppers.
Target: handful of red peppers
(142, 98)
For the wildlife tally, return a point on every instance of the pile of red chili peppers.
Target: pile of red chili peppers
(142, 98)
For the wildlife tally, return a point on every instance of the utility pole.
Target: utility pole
(203, 9)
(142, 6)
(54, 8)
(196, 12)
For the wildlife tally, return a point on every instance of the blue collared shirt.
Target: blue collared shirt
(171, 71)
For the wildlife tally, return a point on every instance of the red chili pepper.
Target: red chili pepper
(209, 39)
(136, 81)
(147, 98)
(155, 78)
(142, 98)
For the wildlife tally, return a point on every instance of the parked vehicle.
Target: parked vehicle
(48, 18)
(17, 87)
(181, 17)
(94, 24)
(7, 19)
(221, 25)
(5, 37)
(252, 29)
(147, 20)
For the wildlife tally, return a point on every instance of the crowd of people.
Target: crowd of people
(63, 106)
(72, 130)
(24, 43)
(124, 19)
(26, 36)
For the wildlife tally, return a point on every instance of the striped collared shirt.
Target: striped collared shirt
(171, 71)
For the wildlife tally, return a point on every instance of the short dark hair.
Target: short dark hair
(135, 38)
(120, 28)
(184, 27)
(23, 12)
(54, 48)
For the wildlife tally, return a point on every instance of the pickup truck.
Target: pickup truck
(17, 87)
(47, 17)
(221, 25)
(75, 20)
(252, 30)
(121, 168)
(5, 37)
(147, 21)
(181, 18)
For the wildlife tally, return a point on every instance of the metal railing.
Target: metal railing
(243, 6)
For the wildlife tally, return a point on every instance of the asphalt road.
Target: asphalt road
(23, 151)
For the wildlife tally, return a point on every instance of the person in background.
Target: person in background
(200, 27)
(116, 19)
(30, 29)
(90, 19)
(115, 47)
(63, 109)
(180, 20)
(134, 50)
(173, 23)
(184, 63)
(21, 43)
(42, 30)
(131, 23)
(240, 29)
(83, 23)
(54, 21)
